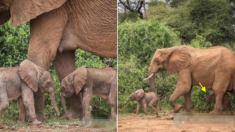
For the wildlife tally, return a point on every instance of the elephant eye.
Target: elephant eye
(157, 61)
(48, 83)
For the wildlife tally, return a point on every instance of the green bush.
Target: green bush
(211, 19)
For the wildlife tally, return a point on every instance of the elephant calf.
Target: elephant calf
(144, 99)
(226, 102)
(89, 81)
(21, 83)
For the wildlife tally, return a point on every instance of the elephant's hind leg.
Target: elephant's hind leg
(4, 100)
(112, 100)
(219, 87)
(153, 105)
(22, 114)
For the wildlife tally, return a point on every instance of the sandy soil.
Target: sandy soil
(143, 123)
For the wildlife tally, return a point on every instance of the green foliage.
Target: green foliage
(14, 48)
(13, 42)
(211, 19)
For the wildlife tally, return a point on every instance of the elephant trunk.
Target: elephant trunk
(151, 80)
(127, 102)
(63, 105)
(53, 102)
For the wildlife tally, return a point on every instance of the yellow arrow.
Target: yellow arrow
(203, 88)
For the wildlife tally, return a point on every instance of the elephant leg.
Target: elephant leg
(64, 64)
(145, 108)
(22, 113)
(219, 87)
(27, 97)
(45, 36)
(4, 100)
(112, 100)
(86, 103)
(183, 86)
(218, 103)
(188, 101)
(138, 108)
(153, 105)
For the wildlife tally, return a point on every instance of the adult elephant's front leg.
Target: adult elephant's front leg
(45, 35)
(188, 102)
(64, 64)
(183, 86)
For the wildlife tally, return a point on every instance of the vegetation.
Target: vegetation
(199, 23)
(14, 48)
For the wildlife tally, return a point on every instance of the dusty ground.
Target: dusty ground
(60, 125)
(151, 123)
(57, 128)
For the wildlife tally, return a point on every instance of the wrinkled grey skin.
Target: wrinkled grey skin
(226, 102)
(144, 99)
(16, 83)
(88, 81)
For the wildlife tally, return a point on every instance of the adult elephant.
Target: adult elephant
(214, 68)
(57, 28)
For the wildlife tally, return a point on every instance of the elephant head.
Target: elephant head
(21, 11)
(38, 78)
(73, 84)
(171, 59)
(137, 95)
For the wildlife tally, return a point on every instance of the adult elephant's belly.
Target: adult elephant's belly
(91, 27)
(205, 78)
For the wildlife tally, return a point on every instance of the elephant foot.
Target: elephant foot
(36, 122)
(21, 122)
(65, 117)
(87, 120)
(73, 115)
(189, 112)
(41, 117)
(75, 109)
(215, 112)
(177, 108)
(113, 117)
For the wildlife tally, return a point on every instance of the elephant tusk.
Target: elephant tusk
(149, 77)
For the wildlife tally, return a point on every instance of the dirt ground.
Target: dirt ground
(62, 126)
(56, 128)
(146, 123)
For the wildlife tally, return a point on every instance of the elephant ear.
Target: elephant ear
(139, 94)
(30, 74)
(179, 58)
(79, 78)
(4, 17)
(25, 10)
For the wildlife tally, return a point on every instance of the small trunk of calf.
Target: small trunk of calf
(127, 102)
(63, 105)
(53, 102)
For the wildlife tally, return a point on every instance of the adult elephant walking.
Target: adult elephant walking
(214, 68)
(57, 28)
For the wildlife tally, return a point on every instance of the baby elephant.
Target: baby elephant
(226, 102)
(21, 82)
(144, 99)
(89, 81)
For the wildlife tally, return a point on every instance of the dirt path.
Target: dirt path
(143, 123)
